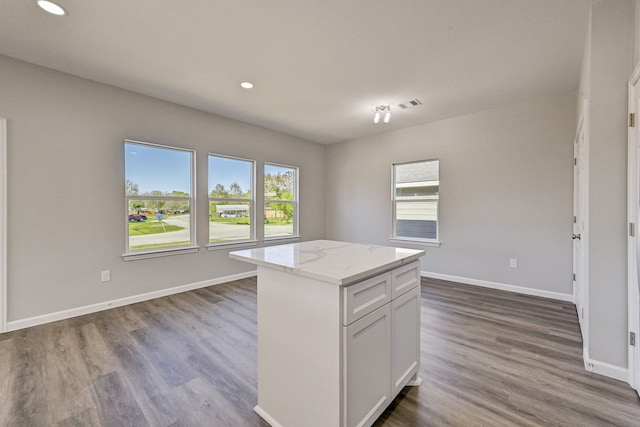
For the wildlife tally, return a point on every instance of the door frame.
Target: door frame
(581, 197)
(633, 199)
(3, 225)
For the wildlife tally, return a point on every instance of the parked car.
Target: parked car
(137, 218)
(230, 215)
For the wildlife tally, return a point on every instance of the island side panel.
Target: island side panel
(299, 335)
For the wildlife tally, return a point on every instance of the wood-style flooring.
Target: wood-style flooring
(489, 358)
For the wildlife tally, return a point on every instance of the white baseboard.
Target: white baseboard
(79, 311)
(611, 371)
(501, 286)
(265, 416)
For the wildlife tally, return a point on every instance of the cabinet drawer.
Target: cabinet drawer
(405, 278)
(364, 297)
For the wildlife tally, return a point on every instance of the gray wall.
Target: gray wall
(636, 31)
(66, 187)
(610, 51)
(506, 183)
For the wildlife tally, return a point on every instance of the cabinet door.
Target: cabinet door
(405, 338)
(367, 376)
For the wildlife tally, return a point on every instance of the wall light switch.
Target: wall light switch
(513, 263)
(105, 276)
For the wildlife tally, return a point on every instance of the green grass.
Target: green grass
(150, 227)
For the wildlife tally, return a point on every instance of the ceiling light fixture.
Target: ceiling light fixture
(246, 85)
(382, 111)
(52, 8)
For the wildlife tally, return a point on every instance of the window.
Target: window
(159, 197)
(415, 200)
(280, 201)
(231, 199)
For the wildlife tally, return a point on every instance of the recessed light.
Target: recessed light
(51, 7)
(246, 85)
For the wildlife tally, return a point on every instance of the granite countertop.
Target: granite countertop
(339, 263)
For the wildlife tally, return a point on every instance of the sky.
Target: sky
(166, 169)
(157, 168)
(225, 171)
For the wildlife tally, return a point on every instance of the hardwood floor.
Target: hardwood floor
(494, 358)
(489, 358)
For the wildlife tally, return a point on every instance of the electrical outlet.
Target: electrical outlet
(105, 276)
(513, 263)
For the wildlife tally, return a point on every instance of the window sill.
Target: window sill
(133, 256)
(280, 240)
(231, 245)
(415, 242)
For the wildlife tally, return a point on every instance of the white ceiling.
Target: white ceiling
(319, 67)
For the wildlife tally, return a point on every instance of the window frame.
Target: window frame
(394, 201)
(252, 205)
(295, 202)
(130, 255)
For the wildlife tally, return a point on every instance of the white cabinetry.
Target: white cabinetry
(367, 379)
(405, 340)
(338, 331)
(382, 345)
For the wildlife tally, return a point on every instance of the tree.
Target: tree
(156, 204)
(285, 209)
(280, 187)
(178, 206)
(131, 188)
(219, 192)
(235, 191)
(136, 205)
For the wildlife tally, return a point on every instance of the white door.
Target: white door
(633, 211)
(3, 225)
(580, 281)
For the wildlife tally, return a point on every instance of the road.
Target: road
(217, 229)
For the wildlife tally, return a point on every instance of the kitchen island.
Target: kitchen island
(338, 330)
